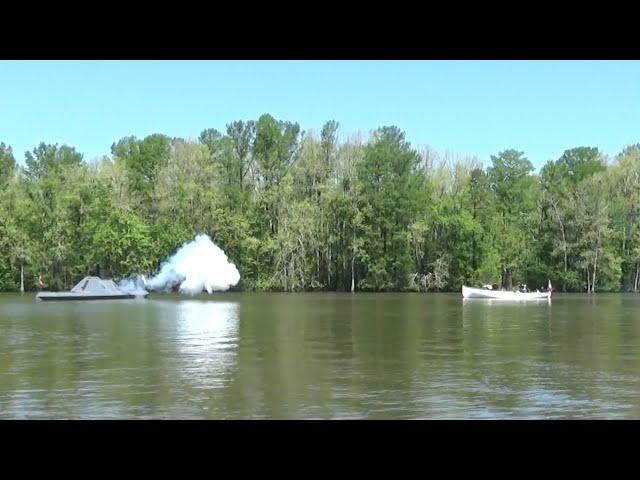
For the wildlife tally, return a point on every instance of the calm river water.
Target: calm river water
(327, 356)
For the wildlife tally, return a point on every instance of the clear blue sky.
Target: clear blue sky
(466, 107)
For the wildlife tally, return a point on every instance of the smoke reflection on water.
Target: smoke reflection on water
(207, 338)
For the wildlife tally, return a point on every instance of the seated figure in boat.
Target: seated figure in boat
(523, 288)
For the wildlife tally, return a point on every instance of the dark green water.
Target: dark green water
(274, 356)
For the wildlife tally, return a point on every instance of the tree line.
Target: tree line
(298, 211)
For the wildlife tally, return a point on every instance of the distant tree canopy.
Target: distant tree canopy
(7, 163)
(298, 211)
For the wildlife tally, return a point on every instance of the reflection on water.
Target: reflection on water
(240, 355)
(206, 339)
(205, 327)
(495, 301)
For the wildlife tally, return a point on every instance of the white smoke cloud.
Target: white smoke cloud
(135, 285)
(197, 266)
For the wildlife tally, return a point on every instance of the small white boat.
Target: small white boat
(470, 292)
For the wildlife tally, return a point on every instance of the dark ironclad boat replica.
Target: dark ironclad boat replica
(92, 288)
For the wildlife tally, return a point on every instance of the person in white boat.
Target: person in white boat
(521, 288)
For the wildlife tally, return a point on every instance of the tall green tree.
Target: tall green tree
(274, 150)
(624, 195)
(49, 160)
(563, 183)
(389, 195)
(122, 245)
(7, 163)
(241, 135)
(512, 184)
(143, 160)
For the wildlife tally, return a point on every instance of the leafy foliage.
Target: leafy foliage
(299, 211)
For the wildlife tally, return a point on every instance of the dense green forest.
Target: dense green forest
(300, 211)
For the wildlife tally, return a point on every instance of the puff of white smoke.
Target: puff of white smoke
(197, 266)
(135, 285)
